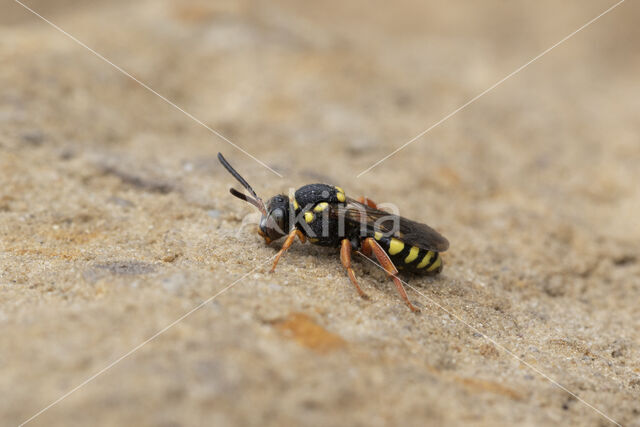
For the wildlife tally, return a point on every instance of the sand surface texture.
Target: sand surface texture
(115, 217)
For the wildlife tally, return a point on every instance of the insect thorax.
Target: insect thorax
(312, 204)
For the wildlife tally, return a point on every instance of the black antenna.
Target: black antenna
(256, 201)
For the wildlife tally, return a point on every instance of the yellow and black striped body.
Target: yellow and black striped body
(325, 216)
(410, 258)
(311, 202)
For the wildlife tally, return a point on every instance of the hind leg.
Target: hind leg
(369, 245)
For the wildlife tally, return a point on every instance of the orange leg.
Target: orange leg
(345, 257)
(370, 245)
(368, 202)
(287, 244)
(365, 249)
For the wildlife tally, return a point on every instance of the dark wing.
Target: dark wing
(411, 232)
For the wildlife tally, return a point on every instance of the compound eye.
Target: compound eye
(277, 214)
(263, 224)
(278, 217)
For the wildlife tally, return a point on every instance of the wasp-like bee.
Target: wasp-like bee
(327, 217)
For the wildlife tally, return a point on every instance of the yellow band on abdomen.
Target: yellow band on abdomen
(435, 265)
(413, 254)
(396, 246)
(425, 260)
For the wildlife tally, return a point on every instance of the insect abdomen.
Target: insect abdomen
(410, 258)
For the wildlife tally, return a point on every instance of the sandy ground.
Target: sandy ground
(115, 218)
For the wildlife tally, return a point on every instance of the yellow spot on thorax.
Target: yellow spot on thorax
(425, 260)
(321, 206)
(413, 254)
(377, 235)
(396, 246)
(308, 216)
(292, 199)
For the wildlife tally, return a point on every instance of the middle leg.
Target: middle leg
(345, 257)
(368, 202)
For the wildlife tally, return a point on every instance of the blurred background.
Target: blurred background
(115, 217)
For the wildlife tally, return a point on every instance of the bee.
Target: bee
(325, 216)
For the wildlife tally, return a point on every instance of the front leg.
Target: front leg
(287, 244)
